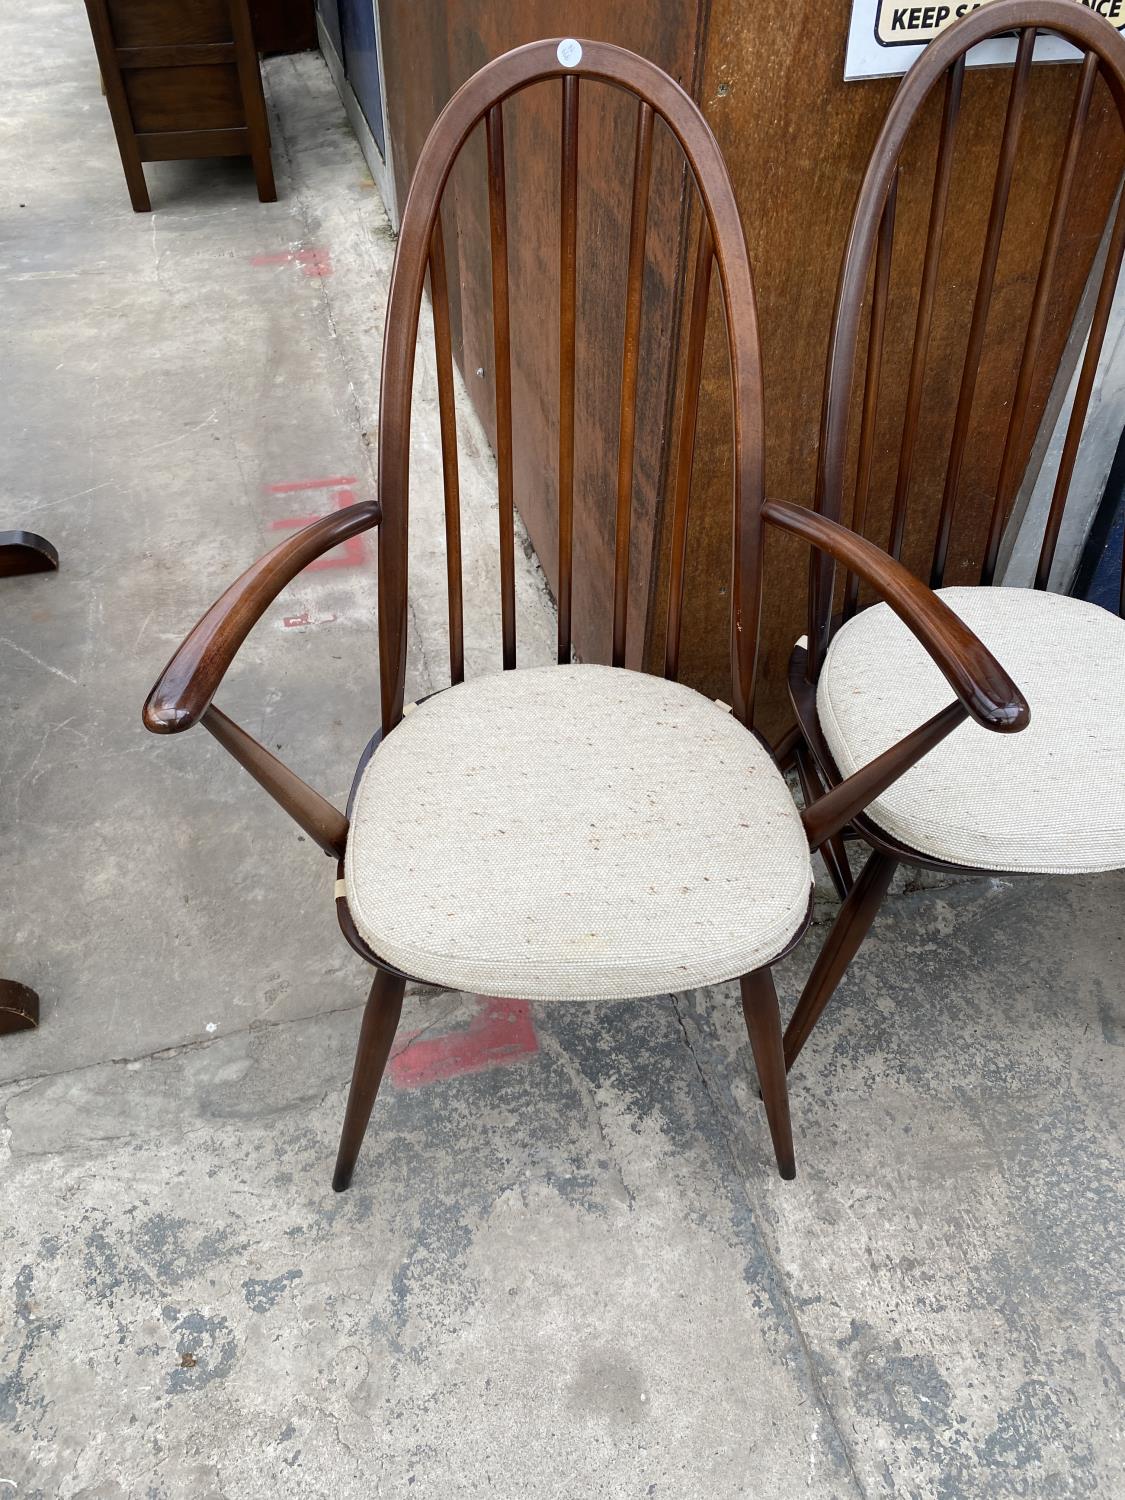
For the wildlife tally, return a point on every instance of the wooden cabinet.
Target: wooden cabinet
(283, 25)
(181, 81)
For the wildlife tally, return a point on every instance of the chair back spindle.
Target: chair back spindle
(685, 448)
(568, 295)
(935, 231)
(871, 382)
(870, 238)
(1009, 465)
(502, 357)
(986, 281)
(627, 427)
(443, 346)
(721, 244)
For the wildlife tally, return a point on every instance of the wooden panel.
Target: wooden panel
(185, 55)
(185, 145)
(163, 23)
(430, 51)
(797, 166)
(184, 98)
(283, 25)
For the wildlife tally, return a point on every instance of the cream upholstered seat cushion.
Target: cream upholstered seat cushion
(1050, 798)
(575, 832)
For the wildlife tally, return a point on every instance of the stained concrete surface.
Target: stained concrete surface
(566, 1267)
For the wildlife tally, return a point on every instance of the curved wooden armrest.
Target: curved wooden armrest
(979, 681)
(185, 688)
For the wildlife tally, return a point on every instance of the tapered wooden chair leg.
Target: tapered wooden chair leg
(763, 1022)
(834, 852)
(380, 1022)
(848, 931)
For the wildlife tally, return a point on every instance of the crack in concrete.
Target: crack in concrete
(752, 1200)
(259, 1024)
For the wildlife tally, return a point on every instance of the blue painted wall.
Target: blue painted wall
(1099, 573)
(351, 26)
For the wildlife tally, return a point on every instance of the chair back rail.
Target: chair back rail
(420, 251)
(871, 238)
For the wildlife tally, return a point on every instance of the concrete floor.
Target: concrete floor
(566, 1267)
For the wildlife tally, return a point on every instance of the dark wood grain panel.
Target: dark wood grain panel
(283, 25)
(163, 23)
(206, 98)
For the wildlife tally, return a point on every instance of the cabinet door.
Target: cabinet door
(361, 61)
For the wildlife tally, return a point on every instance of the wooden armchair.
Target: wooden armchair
(1053, 800)
(574, 831)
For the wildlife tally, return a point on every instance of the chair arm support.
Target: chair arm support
(825, 817)
(185, 688)
(976, 677)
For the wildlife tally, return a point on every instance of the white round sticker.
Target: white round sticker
(570, 52)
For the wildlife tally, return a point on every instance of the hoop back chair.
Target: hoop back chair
(1053, 799)
(570, 831)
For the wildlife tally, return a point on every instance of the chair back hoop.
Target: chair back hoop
(872, 235)
(421, 250)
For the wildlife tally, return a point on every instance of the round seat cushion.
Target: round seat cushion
(575, 832)
(1048, 799)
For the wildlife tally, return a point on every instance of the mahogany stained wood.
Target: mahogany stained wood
(481, 99)
(1010, 473)
(763, 1023)
(181, 81)
(432, 48)
(377, 1033)
(834, 849)
(26, 552)
(1089, 33)
(185, 688)
(859, 910)
(986, 282)
(797, 170)
(973, 673)
(876, 332)
(627, 425)
(19, 1007)
(568, 351)
(1105, 57)
(184, 694)
(685, 448)
(323, 823)
(502, 356)
(447, 415)
(943, 171)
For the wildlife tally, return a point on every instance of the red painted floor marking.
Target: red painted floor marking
(501, 1032)
(313, 262)
(309, 484)
(349, 554)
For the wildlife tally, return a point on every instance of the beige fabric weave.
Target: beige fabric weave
(1050, 798)
(575, 832)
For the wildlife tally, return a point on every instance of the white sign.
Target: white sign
(886, 35)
